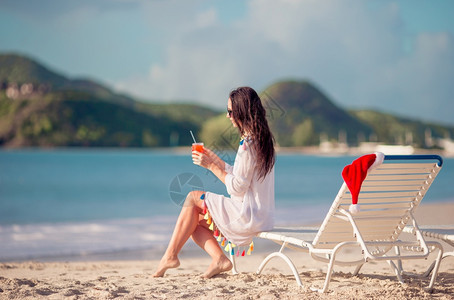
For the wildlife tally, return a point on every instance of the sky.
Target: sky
(392, 56)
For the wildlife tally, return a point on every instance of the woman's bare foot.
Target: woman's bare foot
(223, 264)
(166, 263)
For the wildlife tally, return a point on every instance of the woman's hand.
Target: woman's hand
(204, 159)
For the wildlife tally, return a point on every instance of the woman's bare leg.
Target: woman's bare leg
(205, 239)
(186, 224)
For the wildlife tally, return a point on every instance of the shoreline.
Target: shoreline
(304, 150)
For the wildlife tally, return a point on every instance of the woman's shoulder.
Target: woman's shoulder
(246, 146)
(245, 142)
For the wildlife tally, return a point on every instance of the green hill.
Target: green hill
(307, 113)
(20, 69)
(58, 111)
(191, 113)
(392, 129)
(73, 118)
(40, 108)
(298, 114)
(301, 115)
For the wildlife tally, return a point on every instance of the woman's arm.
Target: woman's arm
(239, 181)
(218, 171)
(216, 159)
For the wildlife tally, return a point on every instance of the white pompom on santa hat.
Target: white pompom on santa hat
(355, 174)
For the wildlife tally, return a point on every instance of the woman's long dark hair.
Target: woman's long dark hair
(250, 117)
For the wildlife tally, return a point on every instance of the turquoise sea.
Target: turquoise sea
(70, 204)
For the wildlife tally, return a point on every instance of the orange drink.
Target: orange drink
(197, 147)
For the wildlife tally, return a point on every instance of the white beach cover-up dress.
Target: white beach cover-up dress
(250, 208)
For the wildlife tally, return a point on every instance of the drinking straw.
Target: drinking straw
(192, 136)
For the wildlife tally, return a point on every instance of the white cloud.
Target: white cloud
(206, 18)
(351, 50)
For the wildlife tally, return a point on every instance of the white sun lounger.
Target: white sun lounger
(388, 198)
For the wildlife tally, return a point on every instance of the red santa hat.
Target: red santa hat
(355, 174)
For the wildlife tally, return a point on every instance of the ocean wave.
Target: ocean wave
(79, 240)
(47, 240)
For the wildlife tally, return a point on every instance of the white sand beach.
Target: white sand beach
(106, 279)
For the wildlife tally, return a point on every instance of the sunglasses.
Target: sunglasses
(229, 112)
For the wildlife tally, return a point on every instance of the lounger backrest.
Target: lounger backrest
(388, 195)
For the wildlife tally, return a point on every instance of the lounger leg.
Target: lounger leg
(232, 259)
(399, 261)
(357, 269)
(329, 272)
(396, 271)
(286, 259)
(429, 270)
(328, 257)
(437, 264)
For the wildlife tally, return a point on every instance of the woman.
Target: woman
(249, 182)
